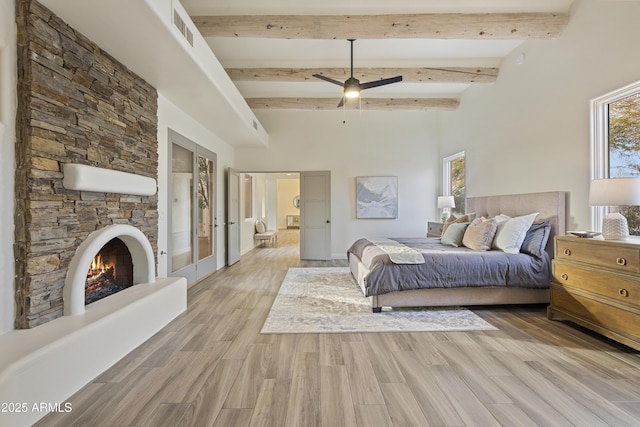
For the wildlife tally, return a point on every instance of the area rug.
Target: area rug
(328, 300)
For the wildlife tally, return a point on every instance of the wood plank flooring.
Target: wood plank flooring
(212, 367)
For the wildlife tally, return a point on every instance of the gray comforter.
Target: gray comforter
(449, 267)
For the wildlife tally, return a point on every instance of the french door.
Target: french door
(192, 211)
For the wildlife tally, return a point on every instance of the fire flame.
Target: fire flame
(98, 266)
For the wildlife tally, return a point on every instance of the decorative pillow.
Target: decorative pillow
(535, 241)
(479, 234)
(261, 227)
(501, 220)
(453, 235)
(452, 218)
(456, 220)
(511, 235)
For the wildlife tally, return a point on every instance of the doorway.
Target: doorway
(192, 211)
(298, 202)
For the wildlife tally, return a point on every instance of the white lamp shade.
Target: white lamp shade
(446, 202)
(615, 192)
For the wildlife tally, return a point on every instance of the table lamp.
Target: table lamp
(615, 192)
(445, 202)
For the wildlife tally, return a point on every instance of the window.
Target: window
(615, 144)
(248, 196)
(453, 182)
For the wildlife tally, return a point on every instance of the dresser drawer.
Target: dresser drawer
(615, 286)
(434, 229)
(603, 318)
(621, 258)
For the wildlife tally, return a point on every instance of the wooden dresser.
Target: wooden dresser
(596, 284)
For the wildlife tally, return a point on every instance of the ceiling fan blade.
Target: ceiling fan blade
(341, 103)
(328, 79)
(382, 82)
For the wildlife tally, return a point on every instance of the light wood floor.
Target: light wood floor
(212, 367)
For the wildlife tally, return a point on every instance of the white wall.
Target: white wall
(172, 117)
(287, 189)
(529, 131)
(8, 76)
(372, 143)
(272, 204)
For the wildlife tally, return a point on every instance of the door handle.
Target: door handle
(231, 223)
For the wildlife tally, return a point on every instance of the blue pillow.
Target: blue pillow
(536, 239)
(453, 235)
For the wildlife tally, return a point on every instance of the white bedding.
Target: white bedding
(398, 252)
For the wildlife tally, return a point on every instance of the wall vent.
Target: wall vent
(182, 27)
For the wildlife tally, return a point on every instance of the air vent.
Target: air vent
(255, 125)
(182, 27)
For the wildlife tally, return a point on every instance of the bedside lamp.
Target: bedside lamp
(445, 202)
(615, 192)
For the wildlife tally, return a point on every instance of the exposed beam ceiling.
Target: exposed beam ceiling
(367, 103)
(473, 26)
(438, 54)
(422, 74)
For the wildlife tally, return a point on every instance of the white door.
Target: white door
(233, 217)
(315, 215)
(192, 196)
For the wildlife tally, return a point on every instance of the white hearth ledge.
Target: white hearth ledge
(49, 363)
(90, 178)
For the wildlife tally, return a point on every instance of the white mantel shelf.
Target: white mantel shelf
(141, 35)
(90, 178)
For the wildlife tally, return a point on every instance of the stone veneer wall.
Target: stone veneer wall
(75, 104)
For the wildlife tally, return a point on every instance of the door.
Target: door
(206, 213)
(315, 215)
(192, 211)
(233, 217)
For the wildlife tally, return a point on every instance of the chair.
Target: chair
(264, 235)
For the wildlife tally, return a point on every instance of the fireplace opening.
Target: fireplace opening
(111, 271)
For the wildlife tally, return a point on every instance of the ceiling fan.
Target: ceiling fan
(352, 86)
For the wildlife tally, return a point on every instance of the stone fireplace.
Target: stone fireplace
(86, 168)
(77, 105)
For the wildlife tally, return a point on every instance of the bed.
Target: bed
(519, 279)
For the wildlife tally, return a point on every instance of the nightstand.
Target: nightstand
(596, 284)
(434, 229)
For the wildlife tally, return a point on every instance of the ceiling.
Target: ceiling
(440, 47)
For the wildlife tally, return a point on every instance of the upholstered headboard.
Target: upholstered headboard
(551, 206)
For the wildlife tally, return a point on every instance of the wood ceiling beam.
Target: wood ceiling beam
(411, 75)
(469, 26)
(405, 104)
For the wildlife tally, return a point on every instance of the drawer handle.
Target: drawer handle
(567, 252)
(621, 261)
(564, 276)
(623, 292)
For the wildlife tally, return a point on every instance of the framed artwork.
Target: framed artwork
(377, 197)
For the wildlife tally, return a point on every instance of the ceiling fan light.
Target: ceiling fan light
(352, 88)
(352, 93)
